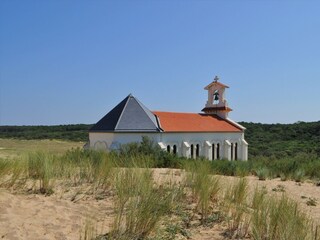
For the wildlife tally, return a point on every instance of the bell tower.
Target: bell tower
(217, 104)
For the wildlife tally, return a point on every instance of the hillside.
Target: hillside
(278, 140)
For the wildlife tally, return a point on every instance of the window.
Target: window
(232, 151)
(168, 148)
(174, 149)
(197, 150)
(218, 151)
(236, 151)
(213, 152)
(191, 148)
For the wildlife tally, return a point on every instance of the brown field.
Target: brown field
(13, 147)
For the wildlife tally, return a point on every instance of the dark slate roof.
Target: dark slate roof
(130, 115)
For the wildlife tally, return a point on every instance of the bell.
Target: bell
(216, 97)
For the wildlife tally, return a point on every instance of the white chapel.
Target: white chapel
(211, 134)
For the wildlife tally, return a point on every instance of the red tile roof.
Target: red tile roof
(194, 122)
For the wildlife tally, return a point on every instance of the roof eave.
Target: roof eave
(236, 124)
(203, 131)
(125, 131)
(217, 83)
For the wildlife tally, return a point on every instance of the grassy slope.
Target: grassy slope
(15, 147)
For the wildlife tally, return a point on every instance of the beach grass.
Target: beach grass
(141, 204)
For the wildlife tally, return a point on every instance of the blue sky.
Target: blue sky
(64, 62)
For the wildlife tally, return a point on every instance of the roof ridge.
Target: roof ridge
(128, 97)
(176, 112)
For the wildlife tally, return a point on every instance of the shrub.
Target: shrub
(262, 173)
(224, 167)
(243, 168)
(40, 168)
(299, 175)
(283, 177)
(157, 157)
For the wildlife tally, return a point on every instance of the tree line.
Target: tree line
(270, 140)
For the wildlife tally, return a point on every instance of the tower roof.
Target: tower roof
(130, 115)
(215, 82)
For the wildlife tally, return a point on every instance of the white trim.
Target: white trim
(162, 146)
(236, 124)
(186, 144)
(244, 142)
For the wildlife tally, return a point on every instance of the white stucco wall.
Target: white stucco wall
(182, 141)
(116, 139)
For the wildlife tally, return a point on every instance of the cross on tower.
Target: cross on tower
(216, 78)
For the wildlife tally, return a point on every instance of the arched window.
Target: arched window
(100, 145)
(232, 151)
(191, 149)
(218, 151)
(213, 152)
(168, 148)
(236, 151)
(174, 149)
(197, 150)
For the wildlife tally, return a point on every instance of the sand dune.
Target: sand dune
(39, 217)
(33, 216)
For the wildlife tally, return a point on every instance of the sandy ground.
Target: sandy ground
(32, 216)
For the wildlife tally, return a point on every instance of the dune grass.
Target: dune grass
(204, 186)
(236, 209)
(279, 218)
(142, 205)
